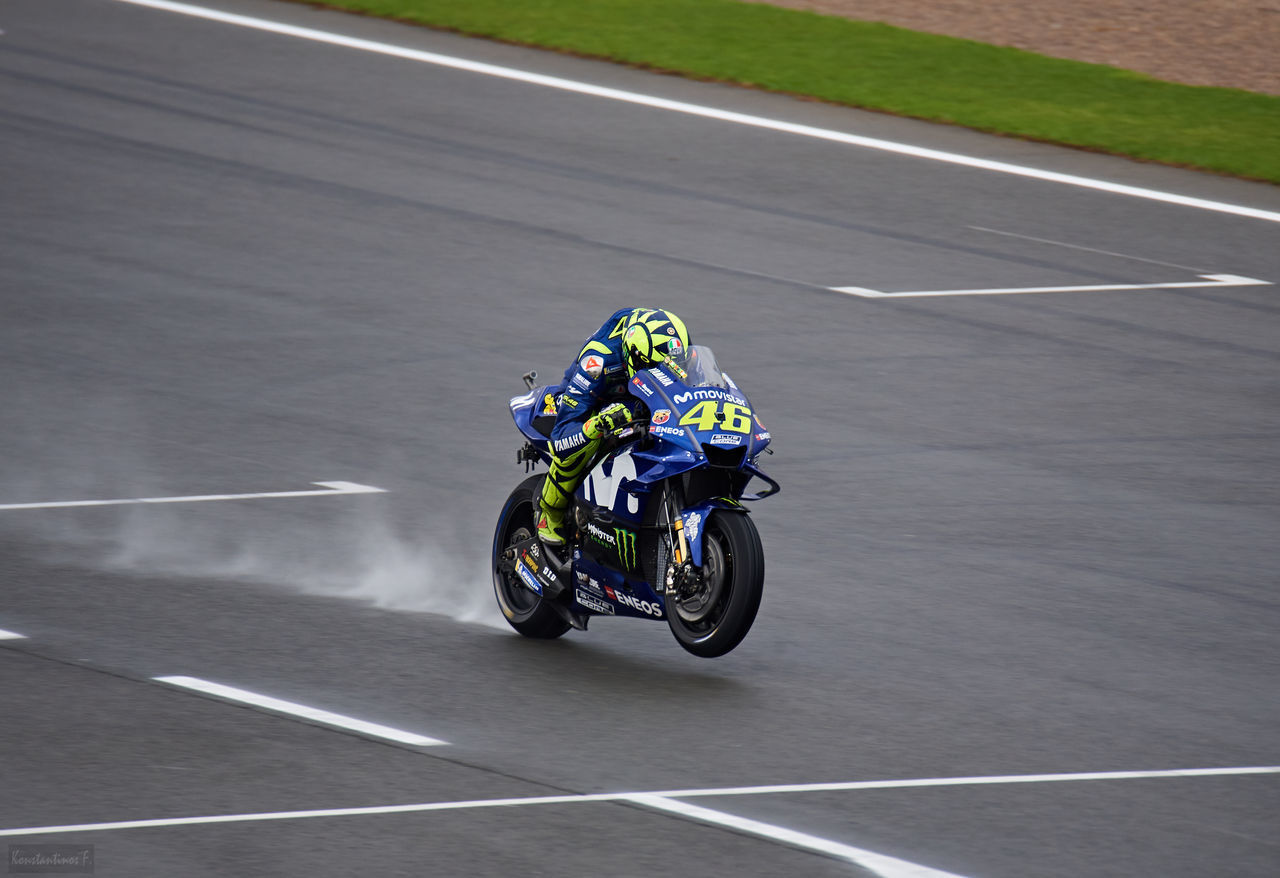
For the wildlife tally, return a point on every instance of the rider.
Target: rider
(590, 407)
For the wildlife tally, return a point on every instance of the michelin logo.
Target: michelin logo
(692, 522)
(528, 578)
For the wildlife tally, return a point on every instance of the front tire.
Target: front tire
(719, 616)
(523, 609)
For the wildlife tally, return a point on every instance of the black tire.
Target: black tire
(733, 563)
(524, 610)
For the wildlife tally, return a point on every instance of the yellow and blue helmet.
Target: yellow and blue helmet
(650, 337)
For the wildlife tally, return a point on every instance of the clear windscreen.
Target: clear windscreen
(699, 366)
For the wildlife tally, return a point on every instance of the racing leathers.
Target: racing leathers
(591, 406)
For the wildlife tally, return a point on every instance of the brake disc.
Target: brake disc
(703, 597)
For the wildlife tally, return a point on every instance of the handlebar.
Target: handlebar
(632, 432)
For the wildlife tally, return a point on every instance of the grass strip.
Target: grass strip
(880, 67)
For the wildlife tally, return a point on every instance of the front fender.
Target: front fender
(695, 521)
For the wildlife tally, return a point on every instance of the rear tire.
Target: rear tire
(733, 564)
(523, 609)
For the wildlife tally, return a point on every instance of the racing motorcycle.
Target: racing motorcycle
(658, 528)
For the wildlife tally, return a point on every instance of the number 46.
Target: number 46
(709, 415)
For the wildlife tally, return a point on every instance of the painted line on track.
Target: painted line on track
(881, 864)
(1210, 280)
(328, 489)
(1070, 246)
(1066, 777)
(703, 111)
(11, 635)
(664, 794)
(278, 705)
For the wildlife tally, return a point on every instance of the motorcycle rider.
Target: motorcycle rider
(590, 407)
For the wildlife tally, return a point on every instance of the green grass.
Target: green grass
(864, 64)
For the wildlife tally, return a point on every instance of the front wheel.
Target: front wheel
(712, 618)
(523, 609)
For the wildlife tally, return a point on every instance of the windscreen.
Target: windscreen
(699, 364)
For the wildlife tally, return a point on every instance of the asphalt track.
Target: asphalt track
(1018, 535)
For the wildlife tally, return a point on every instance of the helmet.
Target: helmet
(650, 336)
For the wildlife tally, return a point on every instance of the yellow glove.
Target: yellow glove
(607, 420)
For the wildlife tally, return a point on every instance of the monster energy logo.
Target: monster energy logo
(623, 541)
(626, 547)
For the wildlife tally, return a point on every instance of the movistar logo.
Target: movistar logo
(682, 398)
(626, 547)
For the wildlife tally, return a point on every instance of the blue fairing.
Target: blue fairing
(604, 592)
(698, 418)
(534, 405)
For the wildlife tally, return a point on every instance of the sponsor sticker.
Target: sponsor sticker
(662, 378)
(628, 600)
(661, 416)
(581, 380)
(529, 579)
(763, 437)
(600, 535)
(626, 547)
(549, 404)
(708, 393)
(592, 364)
(725, 439)
(667, 431)
(692, 523)
(593, 603)
(569, 443)
(590, 584)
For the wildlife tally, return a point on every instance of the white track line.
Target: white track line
(665, 794)
(329, 489)
(1210, 280)
(702, 111)
(966, 781)
(11, 635)
(278, 705)
(1086, 249)
(886, 866)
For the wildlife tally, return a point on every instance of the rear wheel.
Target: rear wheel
(712, 617)
(523, 609)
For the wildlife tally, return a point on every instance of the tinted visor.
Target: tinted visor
(663, 346)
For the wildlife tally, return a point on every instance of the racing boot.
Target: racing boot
(550, 526)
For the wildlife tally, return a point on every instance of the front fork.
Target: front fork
(681, 572)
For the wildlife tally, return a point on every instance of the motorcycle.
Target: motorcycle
(658, 529)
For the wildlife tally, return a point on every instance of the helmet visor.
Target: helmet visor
(663, 347)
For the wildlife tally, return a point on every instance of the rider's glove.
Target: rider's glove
(607, 420)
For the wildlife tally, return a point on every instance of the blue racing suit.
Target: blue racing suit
(597, 378)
